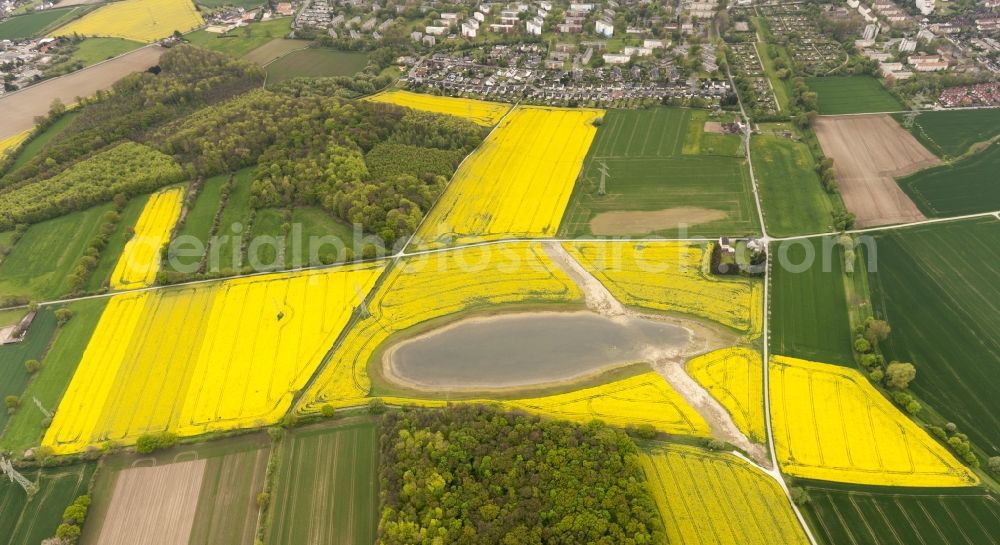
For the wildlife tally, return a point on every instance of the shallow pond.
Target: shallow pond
(525, 349)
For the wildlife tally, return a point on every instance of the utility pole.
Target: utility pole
(603, 188)
(7, 470)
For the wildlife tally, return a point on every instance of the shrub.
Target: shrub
(263, 499)
(69, 533)
(327, 410)
(994, 465)
(63, 315)
(32, 366)
(799, 495)
(376, 406)
(715, 444)
(155, 441)
(12, 401)
(938, 432)
(645, 431)
(899, 375)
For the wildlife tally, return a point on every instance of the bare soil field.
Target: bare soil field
(714, 127)
(19, 109)
(869, 152)
(154, 505)
(631, 222)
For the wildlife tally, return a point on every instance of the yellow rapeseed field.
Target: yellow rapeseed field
(718, 499)
(673, 277)
(517, 183)
(830, 423)
(140, 260)
(642, 399)
(139, 20)
(480, 112)
(206, 357)
(12, 142)
(735, 377)
(425, 287)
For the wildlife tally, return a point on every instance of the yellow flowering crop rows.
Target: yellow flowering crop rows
(673, 277)
(829, 423)
(140, 260)
(517, 183)
(735, 377)
(205, 357)
(642, 399)
(480, 112)
(719, 499)
(140, 20)
(12, 142)
(425, 287)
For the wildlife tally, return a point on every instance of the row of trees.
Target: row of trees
(896, 377)
(474, 474)
(128, 168)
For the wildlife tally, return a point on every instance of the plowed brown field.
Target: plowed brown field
(869, 152)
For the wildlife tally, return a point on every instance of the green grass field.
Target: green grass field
(26, 26)
(261, 253)
(651, 168)
(852, 95)
(952, 133)
(967, 186)
(809, 308)
(236, 211)
(939, 288)
(94, 50)
(315, 62)
(227, 499)
(24, 522)
(790, 190)
(25, 428)
(199, 219)
(781, 91)
(48, 252)
(37, 143)
(316, 222)
(11, 316)
(116, 244)
(840, 514)
(327, 486)
(241, 41)
(13, 376)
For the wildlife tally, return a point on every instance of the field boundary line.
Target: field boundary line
(911, 111)
(402, 253)
(95, 65)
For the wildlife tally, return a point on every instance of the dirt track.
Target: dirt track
(153, 505)
(868, 152)
(20, 108)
